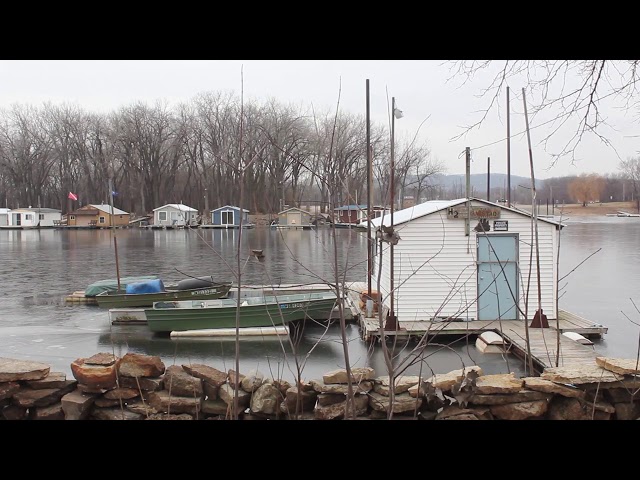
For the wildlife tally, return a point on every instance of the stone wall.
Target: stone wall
(141, 387)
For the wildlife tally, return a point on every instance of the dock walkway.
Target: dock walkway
(543, 341)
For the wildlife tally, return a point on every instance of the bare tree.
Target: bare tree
(631, 170)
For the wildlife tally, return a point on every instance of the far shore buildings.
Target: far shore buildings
(175, 215)
(38, 217)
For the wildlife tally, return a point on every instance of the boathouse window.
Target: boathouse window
(227, 217)
(73, 217)
(41, 216)
(101, 220)
(28, 216)
(162, 216)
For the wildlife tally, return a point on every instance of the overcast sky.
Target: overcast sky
(422, 88)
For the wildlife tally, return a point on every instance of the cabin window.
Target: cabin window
(101, 220)
(73, 217)
(227, 217)
(174, 215)
(28, 216)
(162, 216)
(41, 216)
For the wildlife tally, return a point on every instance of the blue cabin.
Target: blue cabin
(229, 217)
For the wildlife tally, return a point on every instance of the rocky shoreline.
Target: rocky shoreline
(141, 387)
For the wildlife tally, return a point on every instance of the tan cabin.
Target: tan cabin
(98, 216)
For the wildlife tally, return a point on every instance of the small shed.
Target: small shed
(4, 216)
(34, 217)
(354, 214)
(294, 218)
(229, 216)
(465, 259)
(98, 215)
(175, 215)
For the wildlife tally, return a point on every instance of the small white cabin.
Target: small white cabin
(174, 215)
(34, 217)
(4, 216)
(442, 272)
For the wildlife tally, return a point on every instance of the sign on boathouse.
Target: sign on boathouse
(477, 213)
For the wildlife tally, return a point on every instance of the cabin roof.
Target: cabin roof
(229, 206)
(294, 208)
(432, 206)
(31, 209)
(107, 209)
(351, 207)
(177, 206)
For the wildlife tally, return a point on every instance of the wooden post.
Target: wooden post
(488, 179)
(508, 154)
(468, 190)
(369, 239)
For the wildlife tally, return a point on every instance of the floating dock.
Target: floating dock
(81, 298)
(543, 342)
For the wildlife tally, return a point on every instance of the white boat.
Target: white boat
(621, 213)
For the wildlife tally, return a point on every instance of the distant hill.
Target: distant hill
(479, 181)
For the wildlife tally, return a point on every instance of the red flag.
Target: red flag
(72, 196)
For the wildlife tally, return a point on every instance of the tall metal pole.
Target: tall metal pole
(488, 179)
(391, 324)
(508, 154)
(468, 190)
(113, 231)
(369, 239)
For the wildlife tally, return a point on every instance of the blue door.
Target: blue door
(497, 276)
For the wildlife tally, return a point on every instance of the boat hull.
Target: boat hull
(127, 300)
(224, 316)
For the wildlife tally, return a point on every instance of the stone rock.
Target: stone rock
(164, 416)
(76, 405)
(15, 412)
(423, 415)
(146, 384)
(266, 399)
(231, 378)
(338, 410)
(627, 410)
(165, 403)
(136, 365)
(121, 393)
(402, 384)
(89, 390)
(102, 402)
(51, 412)
(8, 389)
(307, 401)
(180, 383)
(520, 411)
(28, 398)
(12, 370)
(209, 375)
(321, 387)
(94, 375)
(564, 408)
(357, 375)
(252, 381)
(325, 399)
(210, 390)
(227, 395)
(283, 386)
(541, 385)
(144, 409)
(103, 358)
(580, 374)
(216, 407)
(599, 404)
(619, 365)
(114, 413)
(402, 402)
(464, 416)
(500, 399)
(501, 383)
(453, 411)
(53, 380)
(621, 395)
(305, 386)
(445, 381)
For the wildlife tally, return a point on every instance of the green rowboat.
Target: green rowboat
(115, 299)
(259, 311)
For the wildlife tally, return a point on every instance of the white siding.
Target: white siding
(436, 271)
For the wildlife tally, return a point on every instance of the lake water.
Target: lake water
(40, 267)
